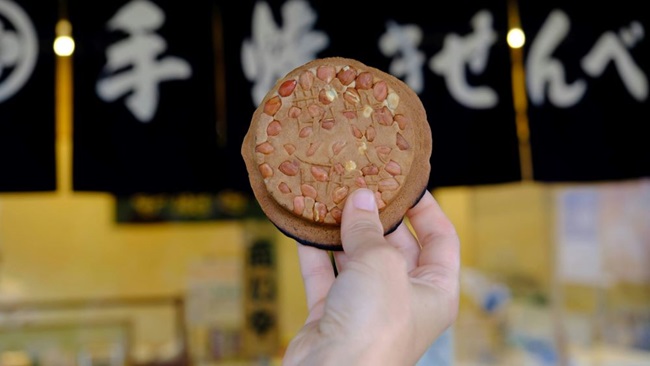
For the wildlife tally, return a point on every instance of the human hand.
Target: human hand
(393, 296)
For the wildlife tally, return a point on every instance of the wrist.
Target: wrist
(363, 350)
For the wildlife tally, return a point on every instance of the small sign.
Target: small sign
(261, 331)
(579, 248)
(185, 207)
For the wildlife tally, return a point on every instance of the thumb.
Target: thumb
(360, 225)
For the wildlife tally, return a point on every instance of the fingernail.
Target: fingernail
(364, 199)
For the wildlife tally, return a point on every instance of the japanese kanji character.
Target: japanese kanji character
(139, 19)
(273, 51)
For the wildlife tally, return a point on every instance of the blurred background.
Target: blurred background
(128, 231)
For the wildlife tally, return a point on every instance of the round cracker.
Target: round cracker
(327, 128)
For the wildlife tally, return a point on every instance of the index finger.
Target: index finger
(318, 276)
(437, 235)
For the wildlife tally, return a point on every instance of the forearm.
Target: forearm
(360, 351)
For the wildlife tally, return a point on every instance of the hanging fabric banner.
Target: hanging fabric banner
(454, 56)
(154, 138)
(27, 125)
(144, 90)
(587, 82)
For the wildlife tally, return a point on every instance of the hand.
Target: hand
(393, 296)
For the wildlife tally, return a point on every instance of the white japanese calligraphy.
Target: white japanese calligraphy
(543, 72)
(401, 42)
(473, 51)
(610, 47)
(274, 51)
(139, 53)
(18, 49)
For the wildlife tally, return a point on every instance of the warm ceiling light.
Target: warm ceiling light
(516, 38)
(63, 44)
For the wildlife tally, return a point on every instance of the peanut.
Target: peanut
(352, 96)
(289, 168)
(347, 75)
(327, 123)
(315, 110)
(266, 170)
(371, 133)
(402, 121)
(364, 80)
(356, 132)
(383, 152)
(306, 80)
(272, 106)
(393, 168)
(287, 88)
(360, 182)
(284, 187)
(388, 184)
(305, 131)
(313, 147)
(401, 142)
(264, 148)
(338, 146)
(289, 148)
(320, 211)
(325, 97)
(336, 213)
(298, 205)
(319, 173)
(370, 170)
(274, 128)
(308, 190)
(339, 194)
(383, 116)
(294, 112)
(326, 73)
(381, 204)
(350, 114)
(380, 91)
(339, 169)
